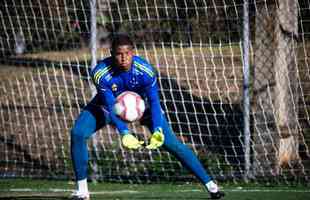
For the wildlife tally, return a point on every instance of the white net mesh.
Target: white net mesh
(196, 47)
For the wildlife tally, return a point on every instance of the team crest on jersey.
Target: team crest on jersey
(114, 87)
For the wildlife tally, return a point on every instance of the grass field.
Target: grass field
(56, 190)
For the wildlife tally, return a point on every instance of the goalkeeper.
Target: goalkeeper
(124, 71)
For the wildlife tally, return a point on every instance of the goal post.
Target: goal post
(234, 82)
(246, 90)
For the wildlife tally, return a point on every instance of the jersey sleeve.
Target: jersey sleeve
(108, 99)
(151, 90)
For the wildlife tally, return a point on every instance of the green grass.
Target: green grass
(43, 189)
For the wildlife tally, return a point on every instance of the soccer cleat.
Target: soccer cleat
(217, 195)
(78, 196)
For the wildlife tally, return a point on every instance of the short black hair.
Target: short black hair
(120, 40)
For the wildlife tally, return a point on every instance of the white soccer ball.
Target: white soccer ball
(129, 106)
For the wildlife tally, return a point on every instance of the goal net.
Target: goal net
(234, 84)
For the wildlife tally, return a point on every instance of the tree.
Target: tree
(276, 132)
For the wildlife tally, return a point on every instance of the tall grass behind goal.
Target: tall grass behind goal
(234, 82)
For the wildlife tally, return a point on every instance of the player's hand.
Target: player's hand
(131, 142)
(156, 140)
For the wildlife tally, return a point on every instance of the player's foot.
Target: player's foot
(217, 195)
(78, 196)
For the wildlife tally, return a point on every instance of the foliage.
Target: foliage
(58, 24)
(45, 25)
(179, 21)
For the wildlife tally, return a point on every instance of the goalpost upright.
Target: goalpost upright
(246, 88)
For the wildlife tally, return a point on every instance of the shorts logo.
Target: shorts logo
(114, 87)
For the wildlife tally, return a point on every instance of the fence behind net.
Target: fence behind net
(209, 81)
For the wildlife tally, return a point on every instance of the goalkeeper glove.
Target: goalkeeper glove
(131, 142)
(157, 140)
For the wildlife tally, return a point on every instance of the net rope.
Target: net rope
(196, 47)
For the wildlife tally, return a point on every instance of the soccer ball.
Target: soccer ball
(129, 106)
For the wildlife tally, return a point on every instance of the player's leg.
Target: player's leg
(90, 119)
(183, 153)
(186, 156)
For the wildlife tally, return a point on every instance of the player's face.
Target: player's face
(123, 57)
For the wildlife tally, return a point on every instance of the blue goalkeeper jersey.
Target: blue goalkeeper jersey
(141, 78)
